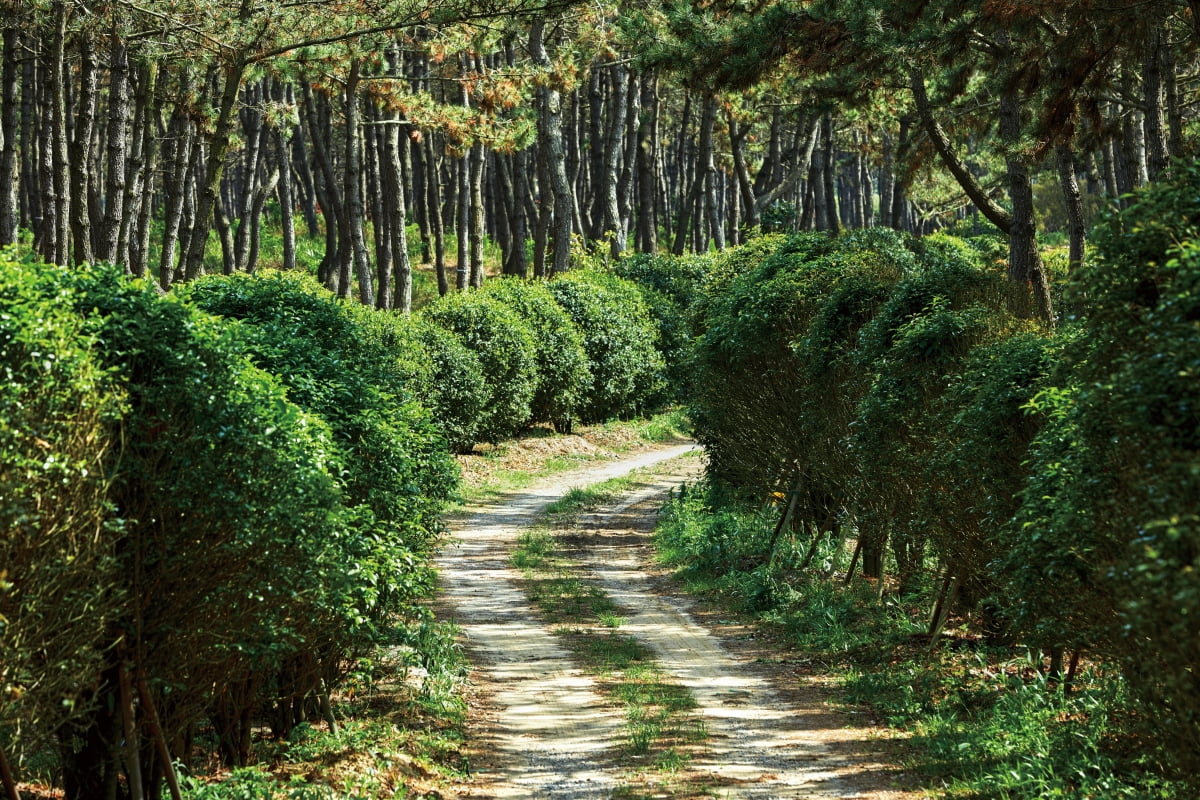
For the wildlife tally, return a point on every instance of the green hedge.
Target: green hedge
(620, 339)
(505, 348)
(59, 578)
(563, 372)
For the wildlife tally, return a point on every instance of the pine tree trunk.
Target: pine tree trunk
(1074, 203)
(118, 150)
(218, 147)
(828, 168)
(1154, 119)
(356, 256)
(617, 105)
(286, 191)
(133, 239)
(433, 187)
(550, 105)
(81, 153)
(647, 158)
(10, 84)
(1024, 261)
(704, 160)
(28, 191)
(180, 143)
(476, 219)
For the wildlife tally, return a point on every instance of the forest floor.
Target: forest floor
(544, 723)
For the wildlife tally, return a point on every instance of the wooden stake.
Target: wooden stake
(133, 762)
(156, 733)
(858, 545)
(6, 775)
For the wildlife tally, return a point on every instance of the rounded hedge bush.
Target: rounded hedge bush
(1106, 546)
(620, 338)
(457, 392)
(59, 577)
(504, 346)
(563, 372)
(231, 548)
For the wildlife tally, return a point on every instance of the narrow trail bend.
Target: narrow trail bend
(551, 735)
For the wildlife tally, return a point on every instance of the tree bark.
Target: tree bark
(1024, 261)
(352, 192)
(708, 118)
(10, 83)
(218, 147)
(647, 159)
(1074, 203)
(618, 98)
(550, 104)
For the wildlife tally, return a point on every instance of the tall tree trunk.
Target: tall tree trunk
(10, 84)
(704, 159)
(118, 150)
(628, 175)
(180, 143)
(327, 189)
(1024, 261)
(476, 217)
(133, 239)
(1074, 203)
(57, 160)
(1154, 120)
(28, 189)
(352, 192)
(462, 180)
(433, 188)
(887, 180)
(828, 171)
(618, 99)
(647, 162)
(394, 204)
(550, 105)
(712, 193)
(81, 152)
(214, 166)
(286, 191)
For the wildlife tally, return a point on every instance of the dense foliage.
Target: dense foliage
(504, 345)
(620, 339)
(1038, 485)
(564, 376)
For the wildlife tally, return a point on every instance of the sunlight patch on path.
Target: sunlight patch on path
(554, 730)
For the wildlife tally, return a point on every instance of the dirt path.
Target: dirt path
(551, 735)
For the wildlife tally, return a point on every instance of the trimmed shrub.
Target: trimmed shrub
(563, 373)
(504, 346)
(620, 339)
(1106, 546)
(60, 583)
(232, 549)
(337, 364)
(444, 374)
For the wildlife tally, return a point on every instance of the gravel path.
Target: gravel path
(552, 735)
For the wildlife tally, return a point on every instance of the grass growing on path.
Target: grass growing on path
(661, 728)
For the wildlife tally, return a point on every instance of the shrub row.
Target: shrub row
(212, 518)
(1047, 482)
(584, 346)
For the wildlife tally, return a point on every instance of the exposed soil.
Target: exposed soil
(540, 727)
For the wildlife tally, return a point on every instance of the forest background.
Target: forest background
(173, 139)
